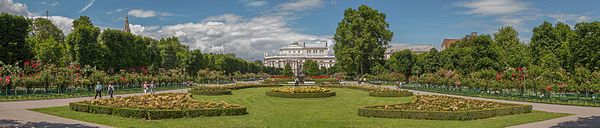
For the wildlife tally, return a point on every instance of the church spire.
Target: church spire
(126, 26)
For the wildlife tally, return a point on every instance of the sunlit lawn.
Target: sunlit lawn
(265, 111)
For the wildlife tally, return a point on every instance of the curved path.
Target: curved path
(586, 117)
(15, 114)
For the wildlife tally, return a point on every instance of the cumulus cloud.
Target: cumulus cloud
(140, 13)
(63, 23)
(9, 6)
(229, 33)
(494, 7)
(254, 3)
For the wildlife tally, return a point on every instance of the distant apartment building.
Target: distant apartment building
(413, 48)
(296, 54)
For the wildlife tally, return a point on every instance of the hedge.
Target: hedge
(390, 93)
(156, 114)
(300, 95)
(444, 115)
(210, 93)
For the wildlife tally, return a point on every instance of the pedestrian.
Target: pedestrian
(151, 87)
(98, 90)
(110, 89)
(145, 86)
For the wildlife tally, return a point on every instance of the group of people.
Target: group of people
(148, 88)
(99, 89)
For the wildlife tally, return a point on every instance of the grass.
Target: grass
(8, 98)
(471, 93)
(265, 111)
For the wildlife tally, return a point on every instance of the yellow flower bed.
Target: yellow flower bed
(311, 89)
(164, 101)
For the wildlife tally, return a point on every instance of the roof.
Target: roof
(447, 42)
(412, 48)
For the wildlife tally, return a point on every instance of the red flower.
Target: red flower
(549, 87)
(519, 69)
(27, 63)
(7, 80)
(498, 76)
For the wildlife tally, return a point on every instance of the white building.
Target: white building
(296, 54)
(413, 48)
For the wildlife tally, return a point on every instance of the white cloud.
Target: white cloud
(88, 5)
(247, 38)
(254, 3)
(140, 13)
(9, 6)
(63, 23)
(565, 17)
(301, 5)
(494, 7)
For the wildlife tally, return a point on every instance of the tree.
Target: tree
(311, 68)
(403, 62)
(48, 50)
(547, 39)
(82, 42)
(44, 29)
(13, 46)
(287, 70)
(361, 37)
(168, 52)
(48, 42)
(195, 62)
(432, 61)
(511, 52)
(585, 47)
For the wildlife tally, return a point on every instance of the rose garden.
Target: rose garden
(559, 66)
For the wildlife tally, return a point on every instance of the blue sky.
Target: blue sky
(251, 27)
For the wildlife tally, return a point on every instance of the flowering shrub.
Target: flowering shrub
(311, 89)
(165, 101)
(444, 103)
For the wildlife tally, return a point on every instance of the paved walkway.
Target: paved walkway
(586, 117)
(15, 114)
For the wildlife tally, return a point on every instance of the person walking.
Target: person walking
(110, 89)
(145, 86)
(98, 90)
(151, 87)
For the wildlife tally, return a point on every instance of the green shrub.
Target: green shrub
(390, 94)
(76, 106)
(210, 93)
(444, 115)
(165, 114)
(301, 95)
(156, 114)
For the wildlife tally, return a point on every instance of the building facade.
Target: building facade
(296, 54)
(413, 48)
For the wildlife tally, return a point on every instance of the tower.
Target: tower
(126, 26)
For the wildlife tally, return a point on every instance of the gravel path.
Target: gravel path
(583, 117)
(15, 114)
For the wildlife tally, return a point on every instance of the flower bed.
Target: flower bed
(435, 107)
(300, 92)
(390, 93)
(376, 91)
(223, 89)
(159, 106)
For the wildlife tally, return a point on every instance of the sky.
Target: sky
(249, 28)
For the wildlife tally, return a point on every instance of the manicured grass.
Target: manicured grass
(265, 111)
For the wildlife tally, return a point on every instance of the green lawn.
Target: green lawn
(265, 111)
